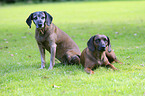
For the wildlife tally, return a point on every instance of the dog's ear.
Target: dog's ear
(29, 20)
(90, 43)
(48, 17)
(109, 45)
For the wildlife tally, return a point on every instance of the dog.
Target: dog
(49, 37)
(98, 53)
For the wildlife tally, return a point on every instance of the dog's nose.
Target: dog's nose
(103, 47)
(40, 25)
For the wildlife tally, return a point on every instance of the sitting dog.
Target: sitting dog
(98, 53)
(54, 40)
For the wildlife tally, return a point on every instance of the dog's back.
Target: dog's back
(65, 44)
(63, 41)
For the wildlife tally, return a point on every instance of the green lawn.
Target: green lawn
(122, 21)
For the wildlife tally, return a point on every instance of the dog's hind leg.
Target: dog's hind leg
(72, 58)
(75, 59)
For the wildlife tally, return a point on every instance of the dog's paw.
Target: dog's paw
(92, 72)
(50, 68)
(89, 71)
(41, 68)
(116, 69)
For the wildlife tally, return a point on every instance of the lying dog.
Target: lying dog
(54, 40)
(98, 53)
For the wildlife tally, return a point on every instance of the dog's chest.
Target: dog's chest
(98, 61)
(41, 38)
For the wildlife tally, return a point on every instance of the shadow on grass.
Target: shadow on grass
(57, 66)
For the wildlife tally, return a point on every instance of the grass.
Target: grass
(20, 57)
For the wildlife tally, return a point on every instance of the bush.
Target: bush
(38, 1)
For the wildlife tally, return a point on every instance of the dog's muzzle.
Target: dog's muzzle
(102, 48)
(40, 25)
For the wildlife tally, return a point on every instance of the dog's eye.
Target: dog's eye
(35, 18)
(42, 17)
(97, 40)
(105, 40)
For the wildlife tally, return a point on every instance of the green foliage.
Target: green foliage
(39, 1)
(122, 21)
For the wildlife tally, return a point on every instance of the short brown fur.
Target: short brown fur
(54, 40)
(66, 47)
(92, 59)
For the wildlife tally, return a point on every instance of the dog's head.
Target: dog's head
(39, 18)
(99, 42)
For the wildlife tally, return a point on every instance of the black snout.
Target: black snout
(102, 47)
(40, 25)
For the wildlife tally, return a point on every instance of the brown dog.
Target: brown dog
(98, 53)
(54, 40)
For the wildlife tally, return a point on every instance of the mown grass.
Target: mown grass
(122, 21)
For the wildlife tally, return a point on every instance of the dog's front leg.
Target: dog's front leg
(42, 53)
(52, 58)
(111, 66)
(89, 71)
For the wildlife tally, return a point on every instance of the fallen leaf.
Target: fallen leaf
(116, 32)
(128, 57)
(12, 54)
(142, 64)
(44, 77)
(6, 47)
(29, 56)
(54, 86)
(135, 34)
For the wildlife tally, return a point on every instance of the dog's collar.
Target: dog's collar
(41, 31)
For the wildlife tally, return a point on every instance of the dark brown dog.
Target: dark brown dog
(54, 40)
(98, 53)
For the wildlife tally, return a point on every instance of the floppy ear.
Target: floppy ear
(48, 17)
(90, 43)
(28, 21)
(109, 45)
